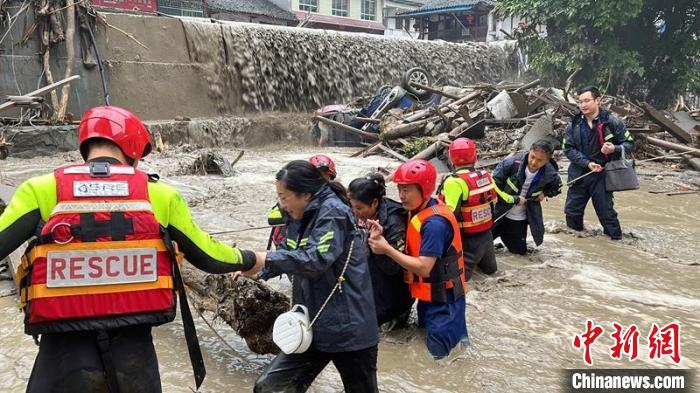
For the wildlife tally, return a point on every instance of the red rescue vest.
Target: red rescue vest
(476, 213)
(447, 274)
(101, 261)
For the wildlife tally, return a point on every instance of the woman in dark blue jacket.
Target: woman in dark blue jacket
(314, 251)
(392, 298)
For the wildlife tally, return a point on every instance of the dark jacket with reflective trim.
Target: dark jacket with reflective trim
(509, 177)
(391, 293)
(315, 256)
(576, 141)
(34, 200)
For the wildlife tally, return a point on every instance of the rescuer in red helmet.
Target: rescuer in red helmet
(433, 258)
(472, 196)
(103, 267)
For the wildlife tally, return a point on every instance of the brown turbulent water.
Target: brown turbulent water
(521, 323)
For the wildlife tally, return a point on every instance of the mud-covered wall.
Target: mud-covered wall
(171, 67)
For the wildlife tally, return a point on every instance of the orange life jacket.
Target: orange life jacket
(447, 274)
(102, 260)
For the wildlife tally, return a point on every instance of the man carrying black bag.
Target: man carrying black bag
(594, 138)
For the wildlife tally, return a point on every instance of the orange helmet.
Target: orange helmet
(117, 125)
(419, 172)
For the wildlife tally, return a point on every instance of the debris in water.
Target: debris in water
(249, 307)
(211, 162)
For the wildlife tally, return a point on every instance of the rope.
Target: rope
(201, 315)
(244, 229)
(638, 162)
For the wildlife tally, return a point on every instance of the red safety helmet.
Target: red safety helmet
(323, 163)
(117, 125)
(419, 172)
(462, 152)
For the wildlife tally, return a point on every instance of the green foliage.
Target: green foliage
(416, 146)
(615, 44)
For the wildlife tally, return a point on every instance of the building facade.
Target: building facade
(452, 20)
(344, 15)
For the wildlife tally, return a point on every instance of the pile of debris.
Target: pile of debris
(501, 118)
(249, 307)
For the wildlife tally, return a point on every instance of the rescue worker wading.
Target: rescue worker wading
(471, 195)
(433, 259)
(101, 270)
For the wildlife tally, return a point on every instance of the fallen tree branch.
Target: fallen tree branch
(102, 19)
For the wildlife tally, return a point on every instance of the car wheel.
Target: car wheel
(416, 75)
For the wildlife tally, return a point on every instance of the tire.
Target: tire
(419, 75)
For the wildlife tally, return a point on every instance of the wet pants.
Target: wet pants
(513, 234)
(71, 362)
(445, 325)
(479, 251)
(592, 187)
(296, 372)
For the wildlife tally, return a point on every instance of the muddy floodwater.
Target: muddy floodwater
(522, 322)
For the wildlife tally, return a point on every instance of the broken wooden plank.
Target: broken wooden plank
(673, 146)
(43, 90)
(347, 128)
(669, 125)
(367, 120)
(529, 85)
(682, 192)
(361, 152)
(434, 90)
(403, 130)
(392, 153)
(373, 149)
(444, 107)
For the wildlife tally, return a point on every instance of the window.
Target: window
(181, 7)
(368, 11)
(340, 8)
(308, 5)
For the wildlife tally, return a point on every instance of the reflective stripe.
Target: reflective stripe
(304, 242)
(42, 291)
(324, 248)
(291, 243)
(416, 223)
(537, 193)
(512, 186)
(115, 170)
(90, 207)
(43, 249)
(609, 137)
(482, 189)
(325, 238)
(628, 136)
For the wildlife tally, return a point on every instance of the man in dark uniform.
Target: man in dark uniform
(593, 138)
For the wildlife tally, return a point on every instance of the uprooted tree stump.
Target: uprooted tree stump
(249, 307)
